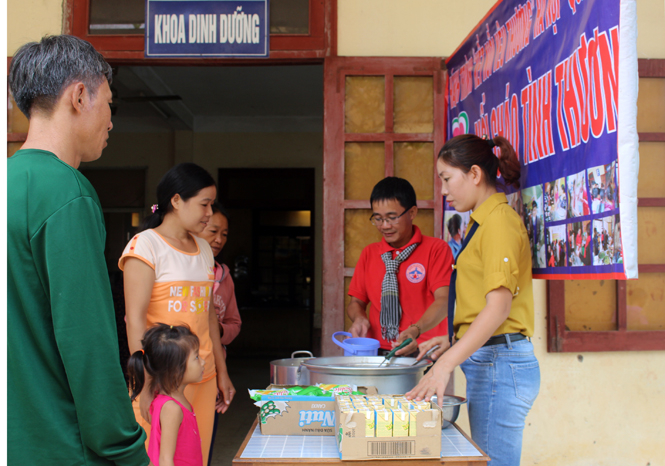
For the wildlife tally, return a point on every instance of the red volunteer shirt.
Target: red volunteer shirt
(427, 269)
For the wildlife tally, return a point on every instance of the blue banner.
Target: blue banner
(545, 75)
(207, 28)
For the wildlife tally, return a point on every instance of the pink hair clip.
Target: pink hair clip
(154, 208)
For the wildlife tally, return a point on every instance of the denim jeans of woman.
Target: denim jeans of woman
(502, 382)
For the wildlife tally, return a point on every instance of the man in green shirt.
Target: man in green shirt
(67, 403)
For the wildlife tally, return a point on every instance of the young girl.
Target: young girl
(494, 317)
(169, 277)
(223, 291)
(170, 356)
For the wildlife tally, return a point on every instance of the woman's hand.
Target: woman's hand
(145, 400)
(226, 392)
(432, 383)
(424, 347)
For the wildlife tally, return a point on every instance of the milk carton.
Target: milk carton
(384, 423)
(401, 421)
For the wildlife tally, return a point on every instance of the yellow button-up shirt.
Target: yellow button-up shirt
(498, 255)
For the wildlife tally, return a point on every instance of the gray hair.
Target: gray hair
(40, 71)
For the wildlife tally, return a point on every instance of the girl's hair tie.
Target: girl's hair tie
(154, 208)
(490, 141)
(142, 351)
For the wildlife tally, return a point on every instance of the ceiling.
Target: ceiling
(218, 99)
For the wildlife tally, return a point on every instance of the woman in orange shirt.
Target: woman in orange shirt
(168, 278)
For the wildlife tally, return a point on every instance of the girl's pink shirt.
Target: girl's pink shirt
(188, 450)
(224, 300)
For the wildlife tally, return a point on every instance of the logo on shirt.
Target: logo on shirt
(415, 273)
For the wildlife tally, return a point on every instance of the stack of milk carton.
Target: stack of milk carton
(385, 415)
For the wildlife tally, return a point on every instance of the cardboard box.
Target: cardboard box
(353, 443)
(300, 415)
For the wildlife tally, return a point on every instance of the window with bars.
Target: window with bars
(612, 315)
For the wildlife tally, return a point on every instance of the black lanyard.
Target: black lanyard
(452, 294)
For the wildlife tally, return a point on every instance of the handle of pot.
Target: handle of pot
(341, 344)
(299, 369)
(308, 353)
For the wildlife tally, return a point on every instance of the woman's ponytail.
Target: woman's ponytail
(152, 221)
(466, 150)
(509, 165)
(136, 372)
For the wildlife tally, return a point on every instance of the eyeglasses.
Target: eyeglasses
(390, 220)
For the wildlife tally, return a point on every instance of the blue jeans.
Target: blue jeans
(502, 382)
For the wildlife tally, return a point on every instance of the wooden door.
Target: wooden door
(383, 117)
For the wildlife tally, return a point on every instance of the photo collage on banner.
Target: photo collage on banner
(546, 77)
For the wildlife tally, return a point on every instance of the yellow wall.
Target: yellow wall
(397, 28)
(29, 20)
(365, 27)
(599, 409)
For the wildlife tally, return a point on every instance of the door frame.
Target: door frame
(334, 205)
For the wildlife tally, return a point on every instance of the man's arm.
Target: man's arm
(356, 311)
(432, 317)
(71, 245)
(231, 323)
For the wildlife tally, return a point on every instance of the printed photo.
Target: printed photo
(554, 198)
(618, 249)
(556, 246)
(579, 243)
(515, 201)
(603, 240)
(578, 203)
(603, 188)
(532, 204)
(455, 225)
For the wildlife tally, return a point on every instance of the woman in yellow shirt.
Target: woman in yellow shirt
(494, 314)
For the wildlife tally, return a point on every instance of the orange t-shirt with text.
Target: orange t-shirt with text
(183, 287)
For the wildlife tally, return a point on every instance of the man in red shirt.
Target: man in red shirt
(404, 277)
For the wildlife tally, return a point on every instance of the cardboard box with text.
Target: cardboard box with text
(353, 444)
(299, 415)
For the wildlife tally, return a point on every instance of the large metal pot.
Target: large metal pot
(290, 371)
(394, 378)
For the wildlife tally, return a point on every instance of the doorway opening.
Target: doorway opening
(259, 131)
(272, 261)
